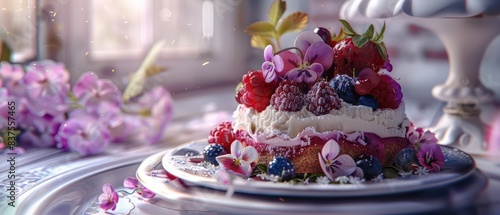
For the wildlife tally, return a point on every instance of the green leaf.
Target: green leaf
(261, 28)
(382, 31)
(359, 41)
(369, 32)
(382, 50)
(293, 22)
(276, 11)
(348, 28)
(5, 52)
(260, 42)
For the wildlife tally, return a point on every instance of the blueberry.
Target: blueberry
(405, 158)
(324, 33)
(282, 167)
(370, 166)
(344, 87)
(211, 152)
(368, 100)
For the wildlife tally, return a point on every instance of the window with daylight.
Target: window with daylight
(18, 28)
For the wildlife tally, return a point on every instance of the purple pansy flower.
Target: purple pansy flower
(272, 65)
(97, 95)
(333, 164)
(109, 198)
(238, 162)
(315, 57)
(83, 134)
(131, 182)
(431, 157)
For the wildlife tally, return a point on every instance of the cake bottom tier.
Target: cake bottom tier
(305, 156)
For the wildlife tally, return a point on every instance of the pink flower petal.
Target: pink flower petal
(346, 165)
(268, 53)
(250, 154)
(278, 63)
(130, 182)
(236, 149)
(290, 61)
(330, 150)
(305, 39)
(268, 71)
(228, 163)
(321, 53)
(145, 192)
(88, 81)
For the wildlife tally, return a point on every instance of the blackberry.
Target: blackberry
(344, 87)
(282, 167)
(288, 97)
(211, 152)
(321, 98)
(368, 100)
(370, 165)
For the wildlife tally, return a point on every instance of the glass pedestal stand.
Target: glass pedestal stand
(465, 40)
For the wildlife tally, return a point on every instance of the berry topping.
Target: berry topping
(388, 93)
(324, 33)
(406, 159)
(321, 98)
(368, 100)
(357, 52)
(344, 87)
(282, 167)
(222, 134)
(367, 80)
(211, 152)
(370, 166)
(255, 93)
(288, 97)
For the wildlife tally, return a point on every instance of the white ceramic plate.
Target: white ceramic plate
(458, 166)
(446, 199)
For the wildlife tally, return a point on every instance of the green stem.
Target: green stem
(290, 48)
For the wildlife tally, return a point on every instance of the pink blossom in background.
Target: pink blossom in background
(155, 112)
(47, 86)
(83, 134)
(97, 95)
(11, 77)
(493, 135)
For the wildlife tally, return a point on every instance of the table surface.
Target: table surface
(49, 181)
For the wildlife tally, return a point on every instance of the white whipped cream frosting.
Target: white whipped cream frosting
(348, 119)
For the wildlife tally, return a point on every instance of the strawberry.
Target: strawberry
(358, 52)
(255, 93)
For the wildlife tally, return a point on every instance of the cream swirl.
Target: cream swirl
(348, 119)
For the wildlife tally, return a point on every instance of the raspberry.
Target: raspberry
(321, 99)
(388, 93)
(222, 134)
(344, 87)
(288, 97)
(255, 93)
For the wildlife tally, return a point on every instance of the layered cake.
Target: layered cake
(324, 106)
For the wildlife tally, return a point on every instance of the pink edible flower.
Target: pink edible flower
(431, 157)
(238, 162)
(333, 164)
(109, 198)
(272, 65)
